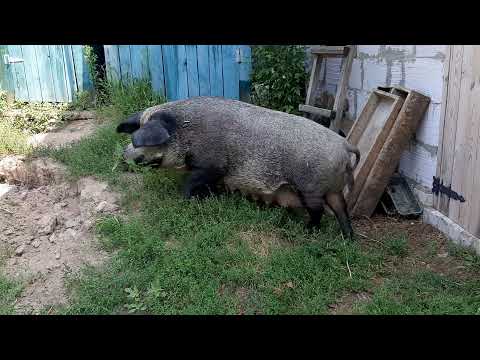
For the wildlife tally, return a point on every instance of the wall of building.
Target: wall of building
(417, 67)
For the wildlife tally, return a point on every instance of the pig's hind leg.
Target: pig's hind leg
(337, 203)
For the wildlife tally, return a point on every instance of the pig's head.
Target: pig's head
(153, 139)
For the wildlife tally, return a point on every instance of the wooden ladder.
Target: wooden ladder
(348, 53)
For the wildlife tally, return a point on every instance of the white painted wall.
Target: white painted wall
(417, 67)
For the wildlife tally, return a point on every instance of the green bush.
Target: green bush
(279, 77)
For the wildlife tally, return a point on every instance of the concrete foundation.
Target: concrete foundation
(452, 230)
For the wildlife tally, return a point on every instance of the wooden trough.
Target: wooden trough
(382, 132)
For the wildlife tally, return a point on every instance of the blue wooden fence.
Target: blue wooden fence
(182, 71)
(48, 73)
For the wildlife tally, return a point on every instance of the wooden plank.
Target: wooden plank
(10, 68)
(204, 70)
(314, 78)
(231, 73)
(182, 83)
(58, 73)
(341, 95)
(6, 80)
(369, 133)
(87, 84)
(450, 123)
(192, 70)
(18, 73)
(77, 53)
(329, 51)
(32, 73)
(155, 65)
(404, 127)
(45, 73)
(139, 59)
(463, 138)
(112, 62)
(471, 218)
(315, 110)
(216, 70)
(245, 69)
(446, 72)
(70, 78)
(464, 161)
(170, 60)
(125, 63)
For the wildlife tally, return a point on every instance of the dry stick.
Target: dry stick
(366, 237)
(349, 271)
(348, 266)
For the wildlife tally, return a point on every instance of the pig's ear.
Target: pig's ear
(153, 133)
(167, 119)
(131, 124)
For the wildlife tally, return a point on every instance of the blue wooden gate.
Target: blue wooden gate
(182, 71)
(48, 73)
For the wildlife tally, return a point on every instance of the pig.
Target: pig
(276, 157)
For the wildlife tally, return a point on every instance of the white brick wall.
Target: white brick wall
(355, 81)
(419, 165)
(370, 50)
(425, 76)
(428, 131)
(375, 74)
(431, 50)
(417, 67)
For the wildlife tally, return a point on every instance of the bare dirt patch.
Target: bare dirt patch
(48, 233)
(427, 250)
(71, 132)
(427, 246)
(46, 222)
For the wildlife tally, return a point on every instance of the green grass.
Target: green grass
(146, 273)
(396, 245)
(9, 291)
(173, 256)
(425, 293)
(187, 279)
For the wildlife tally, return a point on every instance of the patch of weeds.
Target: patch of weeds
(83, 100)
(467, 255)
(9, 291)
(13, 141)
(432, 249)
(126, 99)
(3, 100)
(396, 245)
(34, 117)
(6, 252)
(424, 292)
(135, 302)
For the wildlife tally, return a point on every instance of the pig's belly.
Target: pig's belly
(282, 194)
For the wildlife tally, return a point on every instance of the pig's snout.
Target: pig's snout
(130, 154)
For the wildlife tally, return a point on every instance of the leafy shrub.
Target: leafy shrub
(278, 77)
